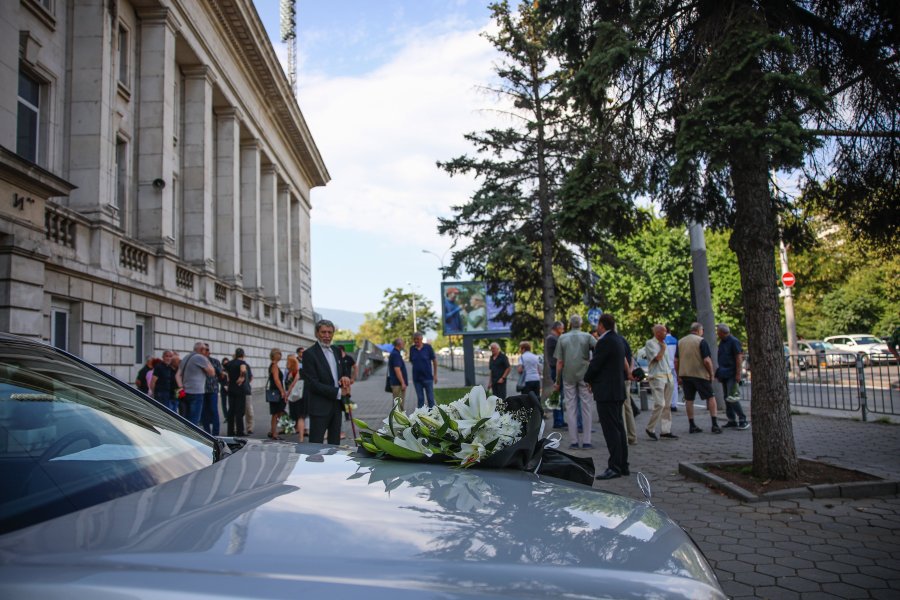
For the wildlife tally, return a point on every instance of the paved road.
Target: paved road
(829, 548)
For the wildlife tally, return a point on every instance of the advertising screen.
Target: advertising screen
(467, 307)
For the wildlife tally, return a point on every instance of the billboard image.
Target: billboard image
(467, 307)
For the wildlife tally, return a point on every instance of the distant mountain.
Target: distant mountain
(342, 319)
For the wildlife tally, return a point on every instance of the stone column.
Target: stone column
(250, 243)
(197, 168)
(294, 270)
(268, 231)
(156, 128)
(283, 248)
(91, 141)
(228, 195)
(303, 301)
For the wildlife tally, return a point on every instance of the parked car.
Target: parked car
(869, 346)
(107, 493)
(820, 353)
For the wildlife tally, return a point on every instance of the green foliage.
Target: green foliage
(649, 282)
(396, 314)
(372, 329)
(844, 285)
(725, 281)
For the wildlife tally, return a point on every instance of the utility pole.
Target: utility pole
(787, 294)
(703, 295)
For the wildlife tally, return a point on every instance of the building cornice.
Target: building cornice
(29, 176)
(245, 30)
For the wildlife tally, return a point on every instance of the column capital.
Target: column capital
(270, 169)
(198, 72)
(251, 144)
(159, 15)
(229, 112)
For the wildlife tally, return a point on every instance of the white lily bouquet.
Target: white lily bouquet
(467, 431)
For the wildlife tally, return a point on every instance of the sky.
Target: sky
(387, 88)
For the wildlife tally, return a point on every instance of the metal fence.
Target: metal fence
(836, 382)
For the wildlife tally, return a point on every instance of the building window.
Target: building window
(29, 122)
(142, 346)
(124, 54)
(59, 327)
(122, 182)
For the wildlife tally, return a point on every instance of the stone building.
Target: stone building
(155, 174)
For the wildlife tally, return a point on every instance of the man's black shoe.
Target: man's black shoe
(626, 472)
(695, 429)
(668, 436)
(673, 409)
(729, 425)
(652, 434)
(716, 429)
(608, 474)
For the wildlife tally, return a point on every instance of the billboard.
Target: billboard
(467, 307)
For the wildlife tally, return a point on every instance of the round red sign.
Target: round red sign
(788, 279)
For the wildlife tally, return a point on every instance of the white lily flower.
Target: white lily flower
(411, 442)
(475, 405)
(470, 452)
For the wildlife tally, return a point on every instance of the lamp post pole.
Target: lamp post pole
(441, 260)
(412, 292)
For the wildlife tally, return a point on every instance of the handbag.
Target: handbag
(520, 385)
(296, 392)
(638, 374)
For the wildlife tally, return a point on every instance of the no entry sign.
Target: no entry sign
(788, 279)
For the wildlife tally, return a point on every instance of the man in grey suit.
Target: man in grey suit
(605, 375)
(326, 387)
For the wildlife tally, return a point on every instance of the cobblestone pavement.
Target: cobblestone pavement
(815, 548)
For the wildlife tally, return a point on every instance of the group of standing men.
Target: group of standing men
(601, 366)
(424, 371)
(190, 386)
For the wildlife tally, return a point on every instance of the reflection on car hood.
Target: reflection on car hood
(275, 519)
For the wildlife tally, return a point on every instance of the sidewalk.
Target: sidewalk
(826, 548)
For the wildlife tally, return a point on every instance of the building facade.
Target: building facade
(155, 175)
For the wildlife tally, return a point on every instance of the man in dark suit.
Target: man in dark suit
(605, 376)
(326, 387)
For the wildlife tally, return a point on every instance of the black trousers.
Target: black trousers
(330, 422)
(237, 406)
(610, 414)
(499, 389)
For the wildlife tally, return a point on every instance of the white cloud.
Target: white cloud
(380, 133)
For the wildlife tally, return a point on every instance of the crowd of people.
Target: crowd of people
(197, 385)
(593, 372)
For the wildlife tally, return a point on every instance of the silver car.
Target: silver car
(106, 494)
(818, 353)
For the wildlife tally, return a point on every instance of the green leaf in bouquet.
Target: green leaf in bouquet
(489, 447)
(394, 450)
(448, 422)
(479, 425)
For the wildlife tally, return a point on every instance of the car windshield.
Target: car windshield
(71, 437)
(865, 340)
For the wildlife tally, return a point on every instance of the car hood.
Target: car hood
(274, 519)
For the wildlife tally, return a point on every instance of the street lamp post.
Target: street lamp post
(441, 260)
(413, 292)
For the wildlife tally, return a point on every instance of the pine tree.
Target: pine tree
(516, 226)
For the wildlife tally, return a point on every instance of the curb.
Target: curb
(859, 489)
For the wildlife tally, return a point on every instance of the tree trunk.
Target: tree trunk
(753, 240)
(548, 281)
